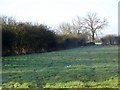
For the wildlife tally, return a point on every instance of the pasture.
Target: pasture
(83, 67)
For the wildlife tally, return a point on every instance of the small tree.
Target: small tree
(64, 29)
(77, 26)
(93, 24)
(78, 29)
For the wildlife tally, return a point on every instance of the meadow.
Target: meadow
(83, 67)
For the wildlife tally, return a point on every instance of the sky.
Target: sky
(54, 12)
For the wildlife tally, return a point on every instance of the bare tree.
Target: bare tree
(78, 28)
(93, 24)
(65, 29)
(77, 25)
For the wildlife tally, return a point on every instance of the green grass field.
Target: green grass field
(83, 67)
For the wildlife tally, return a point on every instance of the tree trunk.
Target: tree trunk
(93, 37)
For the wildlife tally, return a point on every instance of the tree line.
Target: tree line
(110, 40)
(25, 37)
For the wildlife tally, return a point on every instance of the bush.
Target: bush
(110, 39)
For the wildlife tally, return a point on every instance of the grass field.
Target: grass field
(93, 66)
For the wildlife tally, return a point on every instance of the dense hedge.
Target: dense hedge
(24, 38)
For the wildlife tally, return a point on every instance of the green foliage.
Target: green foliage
(93, 67)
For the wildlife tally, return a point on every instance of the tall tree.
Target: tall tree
(93, 24)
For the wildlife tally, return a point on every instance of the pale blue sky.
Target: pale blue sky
(54, 12)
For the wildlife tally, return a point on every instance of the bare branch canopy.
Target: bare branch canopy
(93, 24)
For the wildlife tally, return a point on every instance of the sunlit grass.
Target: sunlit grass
(95, 66)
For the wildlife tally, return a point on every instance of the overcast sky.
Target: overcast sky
(54, 12)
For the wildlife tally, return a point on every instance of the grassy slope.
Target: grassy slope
(90, 67)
